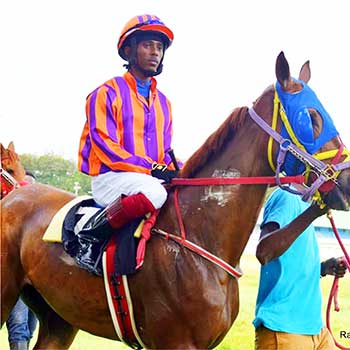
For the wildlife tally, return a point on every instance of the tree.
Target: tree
(58, 172)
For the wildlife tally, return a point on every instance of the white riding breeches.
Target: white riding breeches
(111, 185)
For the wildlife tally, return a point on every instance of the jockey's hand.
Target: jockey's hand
(333, 266)
(161, 172)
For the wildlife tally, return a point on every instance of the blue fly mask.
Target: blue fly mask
(296, 107)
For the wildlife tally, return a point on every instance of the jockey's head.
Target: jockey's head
(145, 28)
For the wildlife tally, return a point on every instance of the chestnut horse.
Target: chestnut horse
(180, 300)
(13, 172)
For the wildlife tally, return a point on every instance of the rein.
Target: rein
(333, 295)
(232, 271)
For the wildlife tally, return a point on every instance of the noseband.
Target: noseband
(325, 173)
(7, 182)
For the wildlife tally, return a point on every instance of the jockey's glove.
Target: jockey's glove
(160, 171)
(333, 266)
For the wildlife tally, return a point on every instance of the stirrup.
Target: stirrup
(89, 254)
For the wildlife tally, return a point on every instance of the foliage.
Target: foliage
(58, 172)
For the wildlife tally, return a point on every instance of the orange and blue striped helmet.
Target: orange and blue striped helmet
(144, 23)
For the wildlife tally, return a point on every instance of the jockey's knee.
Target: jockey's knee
(157, 196)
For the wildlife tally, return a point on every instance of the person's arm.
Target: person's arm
(274, 241)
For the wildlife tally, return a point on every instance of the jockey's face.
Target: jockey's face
(149, 54)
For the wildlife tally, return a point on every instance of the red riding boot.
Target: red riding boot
(119, 213)
(123, 210)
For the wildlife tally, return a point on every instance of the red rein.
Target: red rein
(333, 295)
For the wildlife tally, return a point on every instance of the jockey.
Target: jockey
(128, 130)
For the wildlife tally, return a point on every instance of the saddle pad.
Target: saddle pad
(119, 299)
(54, 231)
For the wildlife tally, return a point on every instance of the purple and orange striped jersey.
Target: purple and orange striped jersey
(123, 131)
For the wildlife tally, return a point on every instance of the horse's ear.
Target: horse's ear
(11, 146)
(2, 148)
(305, 72)
(282, 70)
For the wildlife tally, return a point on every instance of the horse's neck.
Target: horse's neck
(221, 218)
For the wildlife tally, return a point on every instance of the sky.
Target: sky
(54, 53)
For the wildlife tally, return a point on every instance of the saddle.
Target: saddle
(80, 242)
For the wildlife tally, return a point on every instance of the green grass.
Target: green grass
(241, 336)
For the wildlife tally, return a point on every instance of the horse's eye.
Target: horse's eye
(10, 171)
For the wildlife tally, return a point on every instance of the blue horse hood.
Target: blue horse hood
(295, 106)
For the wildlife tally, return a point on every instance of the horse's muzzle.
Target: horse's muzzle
(339, 197)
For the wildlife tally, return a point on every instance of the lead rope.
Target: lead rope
(333, 295)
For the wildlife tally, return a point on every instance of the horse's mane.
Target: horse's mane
(214, 143)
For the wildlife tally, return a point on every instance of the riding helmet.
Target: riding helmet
(144, 24)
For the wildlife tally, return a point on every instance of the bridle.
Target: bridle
(7, 182)
(325, 173)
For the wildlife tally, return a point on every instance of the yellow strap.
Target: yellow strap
(276, 102)
(318, 199)
(289, 128)
(331, 154)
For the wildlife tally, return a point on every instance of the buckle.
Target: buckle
(160, 167)
(330, 173)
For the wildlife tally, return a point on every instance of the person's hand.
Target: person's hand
(333, 266)
(161, 172)
(318, 210)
